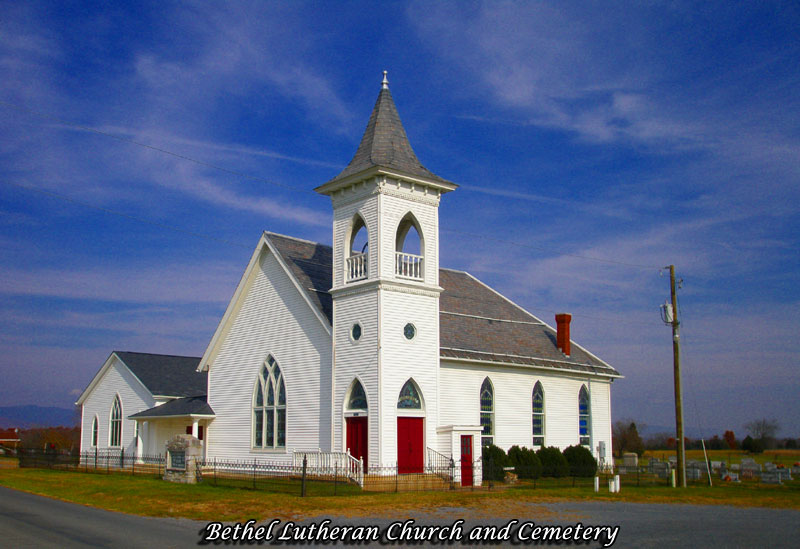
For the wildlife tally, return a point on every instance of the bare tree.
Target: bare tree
(762, 429)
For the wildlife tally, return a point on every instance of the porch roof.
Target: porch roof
(195, 406)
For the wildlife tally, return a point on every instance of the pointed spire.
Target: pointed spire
(385, 143)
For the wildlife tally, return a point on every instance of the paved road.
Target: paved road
(33, 521)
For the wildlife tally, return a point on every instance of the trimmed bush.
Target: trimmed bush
(581, 462)
(554, 464)
(493, 460)
(525, 461)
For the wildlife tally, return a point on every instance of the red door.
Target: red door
(466, 460)
(357, 437)
(410, 458)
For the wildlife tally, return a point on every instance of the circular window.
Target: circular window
(409, 331)
(355, 333)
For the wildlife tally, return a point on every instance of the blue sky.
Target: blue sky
(640, 134)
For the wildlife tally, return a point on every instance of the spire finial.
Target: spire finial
(385, 83)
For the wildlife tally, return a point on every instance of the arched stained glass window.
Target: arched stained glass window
(358, 398)
(538, 415)
(269, 407)
(584, 417)
(94, 431)
(409, 397)
(115, 424)
(487, 412)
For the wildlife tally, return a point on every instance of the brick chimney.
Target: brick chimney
(562, 332)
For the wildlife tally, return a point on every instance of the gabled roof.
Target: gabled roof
(179, 407)
(161, 375)
(476, 323)
(166, 375)
(385, 145)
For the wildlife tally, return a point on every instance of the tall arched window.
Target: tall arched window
(94, 431)
(115, 424)
(358, 398)
(409, 249)
(269, 407)
(584, 417)
(357, 257)
(487, 412)
(538, 415)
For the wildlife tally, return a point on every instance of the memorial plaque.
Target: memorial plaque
(177, 460)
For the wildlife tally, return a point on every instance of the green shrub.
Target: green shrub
(554, 464)
(493, 460)
(525, 461)
(581, 462)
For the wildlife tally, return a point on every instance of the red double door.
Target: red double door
(410, 445)
(357, 438)
(466, 460)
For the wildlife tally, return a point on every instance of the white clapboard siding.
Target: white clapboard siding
(273, 319)
(404, 359)
(356, 360)
(513, 390)
(134, 397)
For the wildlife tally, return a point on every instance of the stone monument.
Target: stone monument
(183, 459)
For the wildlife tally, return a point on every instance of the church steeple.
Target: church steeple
(385, 145)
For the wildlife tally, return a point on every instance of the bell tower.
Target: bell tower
(385, 296)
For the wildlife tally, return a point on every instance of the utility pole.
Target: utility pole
(676, 361)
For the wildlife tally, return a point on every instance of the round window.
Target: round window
(409, 331)
(356, 332)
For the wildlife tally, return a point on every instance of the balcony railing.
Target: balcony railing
(356, 267)
(408, 266)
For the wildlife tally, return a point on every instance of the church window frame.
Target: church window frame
(410, 400)
(356, 263)
(410, 331)
(357, 400)
(487, 411)
(409, 265)
(115, 423)
(584, 418)
(269, 417)
(95, 431)
(538, 416)
(356, 331)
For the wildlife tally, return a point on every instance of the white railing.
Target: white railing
(356, 267)
(319, 463)
(408, 266)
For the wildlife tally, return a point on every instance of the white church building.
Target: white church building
(367, 347)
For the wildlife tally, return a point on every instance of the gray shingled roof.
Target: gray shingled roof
(475, 322)
(166, 375)
(188, 406)
(385, 144)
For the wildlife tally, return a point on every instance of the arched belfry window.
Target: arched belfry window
(358, 398)
(537, 401)
(487, 412)
(269, 407)
(115, 423)
(357, 260)
(584, 417)
(409, 249)
(409, 398)
(94, 431)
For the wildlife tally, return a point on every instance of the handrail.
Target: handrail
(409, 266)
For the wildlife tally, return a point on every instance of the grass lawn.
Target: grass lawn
(153, 497)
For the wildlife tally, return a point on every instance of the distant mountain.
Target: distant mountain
(29, 416)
